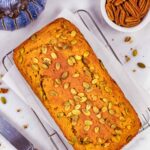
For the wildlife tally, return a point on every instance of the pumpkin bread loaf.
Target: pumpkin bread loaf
(75, 88)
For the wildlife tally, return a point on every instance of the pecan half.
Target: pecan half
(117, 14)
(131, 21)
(130, 9)
(3, 91)
(118, 2)
(110, 12)
(122, 16)
(145, 7)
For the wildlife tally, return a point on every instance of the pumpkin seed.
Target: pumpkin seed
(34, 37)
(116, 139)
(86, 128)
(64, 75)
(20, 60)
(122, 118)
(57, 66)
(104, 109)
(127, 58)
(109, 105)
(81, 94)
(67, 107)
(45, 66)
(22, 50)
(83, 99)
(106, 144)
(44, 49)
(73, 42)
(73, 33)
(88, 122)
(100, 141)
(3, 100)
(86, 112)
(35, 60)
(141, 65)
(86, 54)
(71, 101)
(96, 129)
(66, 85)
(60, 114)
(53, 55)
(108, 89)
(76, 112)
(118, 131)
(94, 97)
(71, 61)
(134, 53)
(58, 81)
(46, 61)
(73, 91)
(76, 98)
(53, 93)
(88, 106)
(75, 75)
(112, 112)
(86, 85)
(128, 127)
(78, 57)
(96, 110)
(94, 81)
(99, 116)
(77, 106)
(102, 120)
(63, 37)
(113, 126)
(35, 67)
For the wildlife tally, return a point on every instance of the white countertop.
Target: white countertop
(35, 131)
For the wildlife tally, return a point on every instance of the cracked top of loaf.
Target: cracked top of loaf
(76, 89)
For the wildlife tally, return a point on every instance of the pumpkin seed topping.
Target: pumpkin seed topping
(73, 33)
(35, 60)
(86, 54)
(104, 109)
(73, 91)
(88, 122)
(3, 100)
(141, 65)
(76, 112)
(96, 110)
(96, 129)
(44, 49)
(66, 85)
(75, 75)
(86, 85)
(71, 61)
(86, 128)
(73, 42)
(78, 57)
(53, 55)
(86, 112)
(64, 75)
(57, 66)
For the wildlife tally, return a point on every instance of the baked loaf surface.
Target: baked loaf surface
(75, 88)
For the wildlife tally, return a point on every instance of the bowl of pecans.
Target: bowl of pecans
(126, 15)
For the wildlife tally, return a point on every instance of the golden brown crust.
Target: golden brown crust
(76, 89)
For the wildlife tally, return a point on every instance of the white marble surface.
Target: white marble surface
(35, 132)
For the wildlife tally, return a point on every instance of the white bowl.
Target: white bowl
(138, 27)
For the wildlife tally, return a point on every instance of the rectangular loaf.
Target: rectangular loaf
(75, 88)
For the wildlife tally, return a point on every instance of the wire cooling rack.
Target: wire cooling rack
(84, 15)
